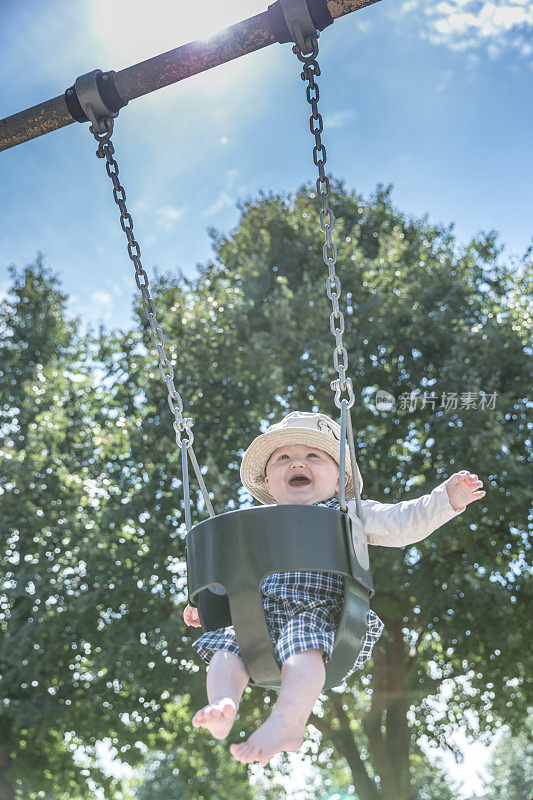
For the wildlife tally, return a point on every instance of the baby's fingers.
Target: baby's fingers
(469, 478)
(194, 618)
(190, 616)
(466, 476)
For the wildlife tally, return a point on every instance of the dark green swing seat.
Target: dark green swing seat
(229, 556)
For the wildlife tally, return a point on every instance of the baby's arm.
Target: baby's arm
(410, 521)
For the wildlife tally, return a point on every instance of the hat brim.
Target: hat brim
(256, 457)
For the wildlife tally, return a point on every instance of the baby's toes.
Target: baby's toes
(254, 753)
(243, 752)
(246, 751)
(236, 751)
(203, 715)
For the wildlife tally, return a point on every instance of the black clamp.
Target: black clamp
(299, 21)
(95, 98)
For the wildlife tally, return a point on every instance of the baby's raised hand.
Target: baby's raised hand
(463, 488)
(190, 616)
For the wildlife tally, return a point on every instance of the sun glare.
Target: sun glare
(133, 31)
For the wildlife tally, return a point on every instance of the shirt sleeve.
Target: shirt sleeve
(401, 524)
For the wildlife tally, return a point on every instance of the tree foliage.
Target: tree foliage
(91, 631)
(90, 490)
(511, 766)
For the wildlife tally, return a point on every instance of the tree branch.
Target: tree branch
(344, 742)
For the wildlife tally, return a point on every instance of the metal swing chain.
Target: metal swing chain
(182, 425)
(333, 284)
(327, 221)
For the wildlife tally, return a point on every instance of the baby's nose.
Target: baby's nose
(298, 463)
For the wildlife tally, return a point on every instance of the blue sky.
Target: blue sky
(435, 99)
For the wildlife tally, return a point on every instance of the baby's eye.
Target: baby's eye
(283, 456)
(312, 454)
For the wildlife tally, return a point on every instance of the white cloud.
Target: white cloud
(364, 25)
(167, 216)
(338, 119)
(102, 297)
(164, 217)
(226, 197)
(104, 304)
(140, 206)
(223, 200)
(467, 24)
(444, 81)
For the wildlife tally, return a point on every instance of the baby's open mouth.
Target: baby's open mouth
(299, 480)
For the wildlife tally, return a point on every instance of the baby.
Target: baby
(297, 461)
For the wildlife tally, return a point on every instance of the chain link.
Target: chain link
(182, 425)
(327, 222)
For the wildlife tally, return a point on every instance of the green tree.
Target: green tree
(248, 339)
(188, 769)
(48, 446)
(90, 637)
(511, 767)
(250, 342)
(431, 781)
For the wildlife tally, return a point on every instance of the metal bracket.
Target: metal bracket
(358, 540)
(300, 24)
(92, 102)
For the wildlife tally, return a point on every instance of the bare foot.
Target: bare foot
(278, 734)
(217, 717)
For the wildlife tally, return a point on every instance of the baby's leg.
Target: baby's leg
(302, 679)
(226, 680)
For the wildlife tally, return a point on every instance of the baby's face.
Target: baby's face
(301, 474)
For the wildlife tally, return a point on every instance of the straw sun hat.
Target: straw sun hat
(300, 427)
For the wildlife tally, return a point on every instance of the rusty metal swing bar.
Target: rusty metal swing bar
(118, 88)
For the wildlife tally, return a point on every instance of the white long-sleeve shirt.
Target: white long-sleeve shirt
(407, 522)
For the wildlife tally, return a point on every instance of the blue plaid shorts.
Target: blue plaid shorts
(302, 612)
